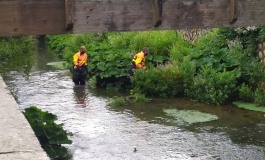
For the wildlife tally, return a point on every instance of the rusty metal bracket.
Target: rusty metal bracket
(232, 11)
(69, 5)
(157, 12)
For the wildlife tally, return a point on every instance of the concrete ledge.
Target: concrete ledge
(17, 139)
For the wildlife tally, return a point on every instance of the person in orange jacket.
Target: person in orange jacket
(80, 66)
(138, 61)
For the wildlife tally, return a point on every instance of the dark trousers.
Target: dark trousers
(131, 69)
(79, 75)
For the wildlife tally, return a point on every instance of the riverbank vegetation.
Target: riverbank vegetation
(218, 67)
(16, 53)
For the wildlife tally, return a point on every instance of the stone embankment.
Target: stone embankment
(17, 139)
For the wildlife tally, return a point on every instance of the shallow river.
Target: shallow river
(147, 131)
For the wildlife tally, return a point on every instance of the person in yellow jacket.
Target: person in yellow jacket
(80, 66)
(138, 61)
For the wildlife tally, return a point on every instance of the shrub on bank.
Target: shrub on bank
(187, 71)
(245, 93)
(58, 43)
(16, 53)
(221, 49)
(180, 50)
(211, 86)
(260, 95)
(163, 81)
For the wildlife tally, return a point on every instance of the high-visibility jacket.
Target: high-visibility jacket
(80, 60)
(139, 60)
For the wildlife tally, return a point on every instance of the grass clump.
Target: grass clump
(138, 98)
(133, 98)
(117, 102)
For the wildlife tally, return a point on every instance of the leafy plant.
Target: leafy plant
(260, 95)
(50, 134)
(158, 41)
(245, 93)
(211, 86)
(163, 81)
(59, 42)
(16, 53)
(179, 50)
(187, 71)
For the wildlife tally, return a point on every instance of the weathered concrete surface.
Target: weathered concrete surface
(17, 139)
(41, 17)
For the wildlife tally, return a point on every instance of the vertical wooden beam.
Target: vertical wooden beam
(157, 12)
(69, 7)
(232, 11)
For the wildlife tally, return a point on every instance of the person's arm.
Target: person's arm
(86, 67)
(75, 61)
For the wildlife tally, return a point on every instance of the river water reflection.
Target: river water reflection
(137, 132)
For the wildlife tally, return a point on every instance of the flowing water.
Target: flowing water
(148, 131)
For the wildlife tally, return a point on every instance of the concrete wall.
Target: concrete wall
(17, 139)
(39, 17)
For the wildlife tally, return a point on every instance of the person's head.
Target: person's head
(146, 50)
(82, 49)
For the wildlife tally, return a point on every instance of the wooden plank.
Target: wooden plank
(36, 17)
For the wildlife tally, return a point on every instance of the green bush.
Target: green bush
(224, 49)
(163, 81)
(245, 93)
(260, 95)
(159, 42)
(213, 39)
(187, 71)
(213, 87)
(59, 42)
(16, 53)
(121, 40)
(179, 50)
(251, 71)
(50, 135)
